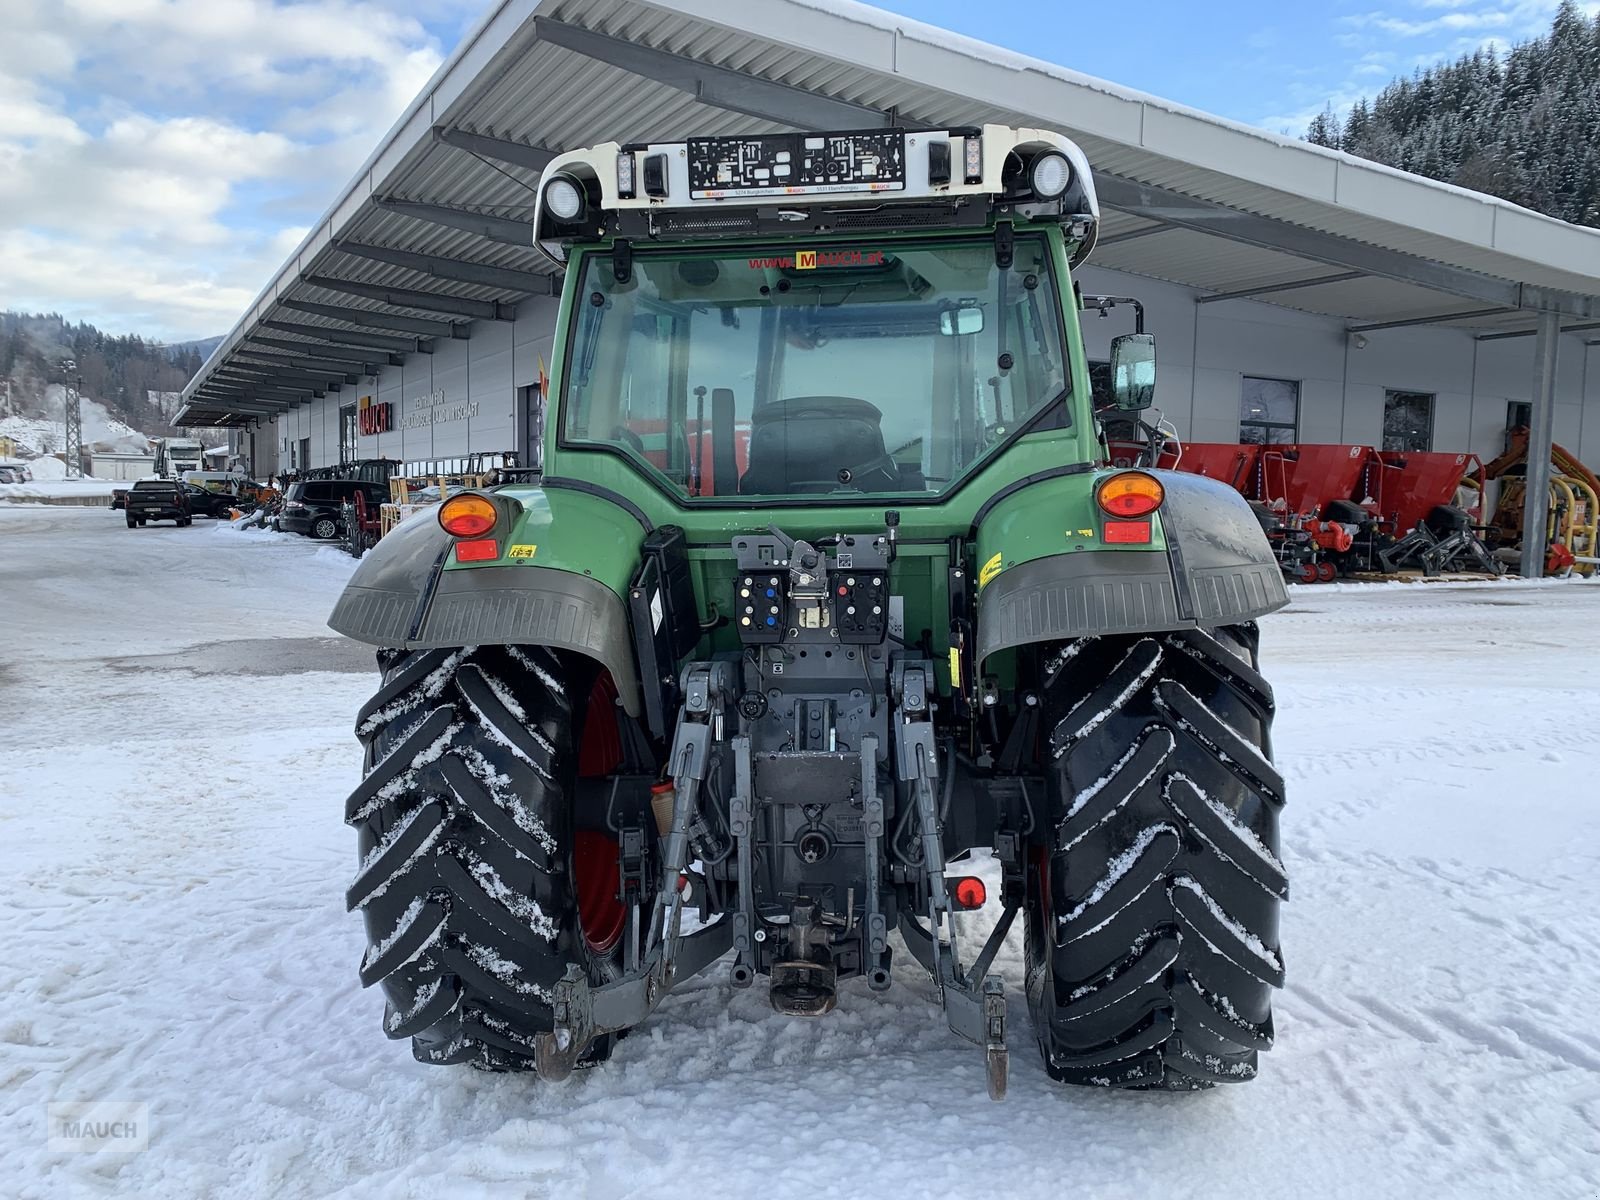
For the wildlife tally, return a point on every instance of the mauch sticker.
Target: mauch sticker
(988, 571)
(526, 550)
(811, 260)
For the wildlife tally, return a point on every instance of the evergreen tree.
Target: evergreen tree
(1525, 127)
(117, 370)
(1324, 130)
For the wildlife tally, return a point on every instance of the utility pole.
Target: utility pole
(72, 387)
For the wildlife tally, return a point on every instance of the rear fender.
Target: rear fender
(1042, 580)
(564, 589)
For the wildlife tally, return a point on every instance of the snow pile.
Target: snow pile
(57, 488)
(46, 469)
(176, 933)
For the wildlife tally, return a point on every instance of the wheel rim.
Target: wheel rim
(324, 529)
(599, 880)
(1308, 573)
(1326, 572)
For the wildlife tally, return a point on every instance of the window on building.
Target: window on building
(1407, 421)
(1118, 427)
(347, 434)
(1519, 414)
(531, 407)
(1100, 382)
(1269, 411)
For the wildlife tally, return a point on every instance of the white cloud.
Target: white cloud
(160, 158)
(1408, 35)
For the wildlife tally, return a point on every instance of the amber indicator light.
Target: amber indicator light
(1130, 494)
(467, 516)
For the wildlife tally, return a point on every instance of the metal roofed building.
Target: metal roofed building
(1320, 288)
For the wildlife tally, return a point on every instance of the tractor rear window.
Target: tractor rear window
(802, 371)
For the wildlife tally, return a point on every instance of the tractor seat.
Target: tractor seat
(800, 444)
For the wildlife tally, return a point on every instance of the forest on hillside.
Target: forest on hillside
(121, 371)
(1524, 126)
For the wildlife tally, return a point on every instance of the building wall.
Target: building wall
(1205, 350)
(120, 466)
(463, 397)
(460, 399)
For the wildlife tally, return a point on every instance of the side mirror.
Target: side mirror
(965, 319)
(1133, 371)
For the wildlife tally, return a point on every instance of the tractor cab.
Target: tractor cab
(851, 316)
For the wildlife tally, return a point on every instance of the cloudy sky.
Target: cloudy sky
(160, 158)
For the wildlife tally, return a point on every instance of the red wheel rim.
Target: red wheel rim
(1308, 573)
(1326, 572)
(601, 748)
(599, 880)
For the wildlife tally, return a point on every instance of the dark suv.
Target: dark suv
(316, 507)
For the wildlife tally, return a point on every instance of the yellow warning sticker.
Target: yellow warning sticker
(525, 550)
(955, 668)
(988, 571)
(1083, 533)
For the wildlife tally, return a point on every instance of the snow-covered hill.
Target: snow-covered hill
(43, 435)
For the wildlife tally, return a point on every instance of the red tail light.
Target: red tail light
(1127, 533)
(478, 550)
(968, 892)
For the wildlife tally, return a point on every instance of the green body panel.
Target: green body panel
(568, 531)
(1053, 516)
(585, 533)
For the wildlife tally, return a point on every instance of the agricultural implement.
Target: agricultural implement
(1339, 509)
(1574, 506)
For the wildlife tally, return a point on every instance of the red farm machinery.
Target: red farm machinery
(1340, 509)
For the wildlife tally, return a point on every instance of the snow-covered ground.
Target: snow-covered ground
(52, 485)
(175, 748)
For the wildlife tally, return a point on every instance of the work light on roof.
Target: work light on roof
(564, 198)
(1050, 175)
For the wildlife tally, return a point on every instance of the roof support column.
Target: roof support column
(1541, 435)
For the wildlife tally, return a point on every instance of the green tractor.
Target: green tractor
(822, 618)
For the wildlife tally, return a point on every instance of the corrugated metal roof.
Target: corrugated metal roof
(507, 82)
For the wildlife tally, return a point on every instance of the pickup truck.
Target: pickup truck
(158, 500)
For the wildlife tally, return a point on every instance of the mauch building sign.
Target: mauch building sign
(375, 418)
(435, 409)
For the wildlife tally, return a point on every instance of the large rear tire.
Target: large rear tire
(467, 879)
(1152, 933)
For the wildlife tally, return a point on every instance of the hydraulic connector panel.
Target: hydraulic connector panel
(788, 588)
